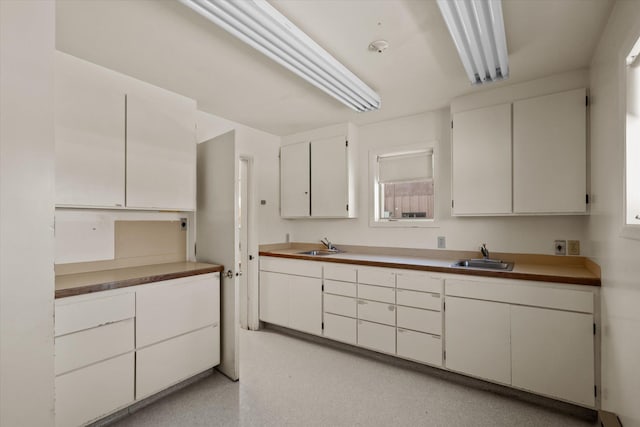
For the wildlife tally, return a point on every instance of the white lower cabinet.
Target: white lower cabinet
(118, 346)
(340, 328)
(552, 353)
(478, 338)
(420, 347)
(336, 304)
(377, 312)
(377, 337)
(420, 320)
(274, 298)
(305, 304)
(169, 362)
(86, 394)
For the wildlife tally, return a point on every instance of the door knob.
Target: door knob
(229, 274)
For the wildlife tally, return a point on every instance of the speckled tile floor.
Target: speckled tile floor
(286, 381)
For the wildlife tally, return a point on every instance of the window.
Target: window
(632, 141)
(403, 186)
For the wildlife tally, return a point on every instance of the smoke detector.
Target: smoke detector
(378, 46)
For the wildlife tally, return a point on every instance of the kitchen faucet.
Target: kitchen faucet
(328, 244)
(484, 251)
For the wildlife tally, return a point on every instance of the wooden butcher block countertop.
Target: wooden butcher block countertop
(84, 283)
(546, 268)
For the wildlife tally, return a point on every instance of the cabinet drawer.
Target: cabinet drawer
(419, 282)
(377, 276)
(420, 347)
(92, 392)
(174, 307)
(76, 315)
(377, 337)
(420, 320)
(291, 266)
(164, 364)
(340, 288)
(340, 328)
(377, 293)
(419, 299)
(377, 312)
(343, 273)
(93, 345)
(344, 306)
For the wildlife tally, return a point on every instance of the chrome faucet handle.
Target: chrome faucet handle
(484, 251)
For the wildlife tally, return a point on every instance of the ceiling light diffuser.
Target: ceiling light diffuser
(477, 28)
(261, 26)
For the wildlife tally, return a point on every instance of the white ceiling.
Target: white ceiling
(167, 44)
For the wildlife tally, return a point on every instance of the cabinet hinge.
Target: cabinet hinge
(195, 249)
(444, 306)
(451, 124)
(323, 326)
(587, 198)
(452, 204)
(594, 329)
(347, 206)
(444, 355)
(586, 100)
(346, 143)
(323, 290)
(595, 390)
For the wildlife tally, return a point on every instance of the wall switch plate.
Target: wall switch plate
(573, 247)
(442, 242)
(560, 247)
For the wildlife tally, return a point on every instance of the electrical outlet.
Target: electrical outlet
(442, 242)
(573, 247)
(560, 247)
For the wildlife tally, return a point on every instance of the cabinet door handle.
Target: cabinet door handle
(401, 331)
(435, 295)
(361, 302)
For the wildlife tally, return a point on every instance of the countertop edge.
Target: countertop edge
(575, 280)
(98, 287)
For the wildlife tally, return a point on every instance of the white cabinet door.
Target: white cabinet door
(330, 177)
(552, 353)
(549, 153)
(481, 161)
(340, 328)
(420, 347)
(86, 394)
(89, 135)
(478, 338)
(176, 307)
(274, 298)
(295, 191)
(377, 337)
(161, 153)
(305, 304)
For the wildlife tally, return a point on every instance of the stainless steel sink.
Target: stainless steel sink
(319, 252)
(484, 264)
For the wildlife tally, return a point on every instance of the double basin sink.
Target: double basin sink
(480, 264)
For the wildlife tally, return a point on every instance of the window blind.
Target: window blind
(417, 166)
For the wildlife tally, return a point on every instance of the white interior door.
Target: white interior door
(243, 246)
(217, 235)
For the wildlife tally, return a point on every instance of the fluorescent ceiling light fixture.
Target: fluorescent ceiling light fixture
(261, 26)
(477, 28)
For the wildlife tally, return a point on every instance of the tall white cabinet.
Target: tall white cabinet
(318, 175)
(89, 136)
(550, 153)
(526, 157)
(482, 161)
(121, 142)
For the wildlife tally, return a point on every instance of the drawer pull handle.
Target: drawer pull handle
(391, 307)
(400, 330)
(361, 302)
(435, 295)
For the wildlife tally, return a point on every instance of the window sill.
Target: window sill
(404, 224)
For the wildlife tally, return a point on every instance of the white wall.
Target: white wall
(26, 213)
(504, 234)
(617, 256)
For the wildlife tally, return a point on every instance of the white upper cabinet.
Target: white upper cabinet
(481, 152)
(549, 153)
(161, 152)
(121, 142)
(318, 176)
(330, 177)
(89, 136)
(295, 191)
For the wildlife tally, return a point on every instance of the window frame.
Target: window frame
(374, 187)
